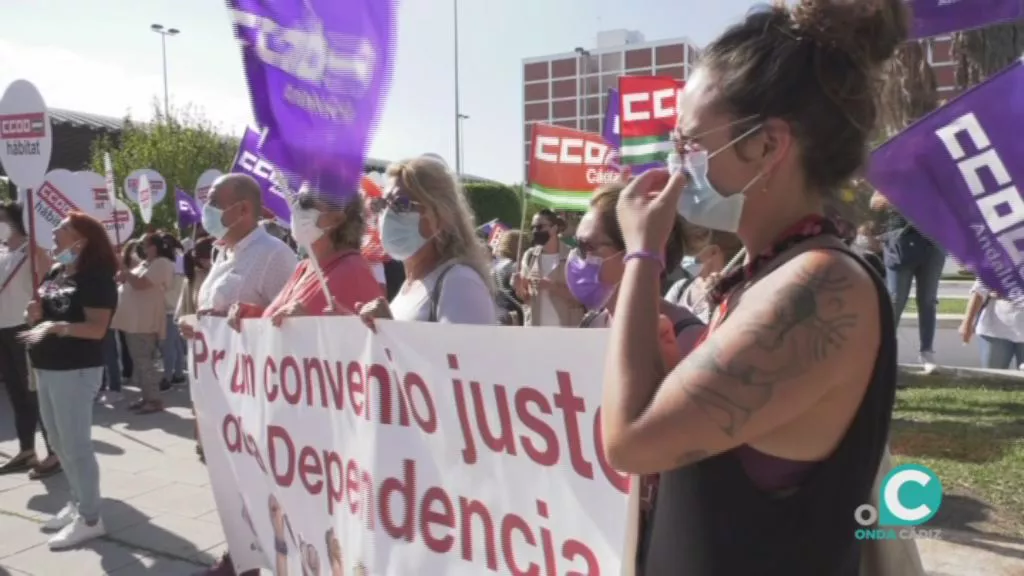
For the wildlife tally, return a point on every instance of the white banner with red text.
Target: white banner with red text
(421, 449)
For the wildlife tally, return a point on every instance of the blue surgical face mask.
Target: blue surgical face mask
(65, 257)
(213, 221)
(692, 266)
(400, 234)
(702, 204)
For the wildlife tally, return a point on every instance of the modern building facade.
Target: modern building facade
(571, 89)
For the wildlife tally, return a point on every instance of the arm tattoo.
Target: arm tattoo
(811, 319)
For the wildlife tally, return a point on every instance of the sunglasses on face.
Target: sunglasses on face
(398, 203)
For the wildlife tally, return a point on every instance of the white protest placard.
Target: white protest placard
(119, 222)
(424, 449)
(61, 192)
(26, 137)
(145, 192)
(158, 186)
(98, 185)
(105, 201)
(204, 184)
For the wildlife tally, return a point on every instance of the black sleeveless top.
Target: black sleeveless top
(710, 520)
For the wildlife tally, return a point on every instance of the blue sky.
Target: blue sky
(100, 56)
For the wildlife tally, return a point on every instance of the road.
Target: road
(949, 349)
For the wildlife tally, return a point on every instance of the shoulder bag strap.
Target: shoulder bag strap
(14, 272)
(435, 294)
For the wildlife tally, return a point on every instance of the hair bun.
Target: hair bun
(868, 30)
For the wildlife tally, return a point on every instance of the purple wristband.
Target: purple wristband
(645, 255)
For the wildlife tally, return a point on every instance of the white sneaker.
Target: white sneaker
(66, 516)
(111, 398)
(75, 533)
(928, 362)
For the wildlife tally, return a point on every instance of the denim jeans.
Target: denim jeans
(65, 403)
(926, 276)
(112, 362)
(172, 350)
(997, 353)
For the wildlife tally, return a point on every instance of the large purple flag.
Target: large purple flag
(250, 160)
(318, 71)
(937, 17)
(189, 213)
(955, 173)
(611, 133)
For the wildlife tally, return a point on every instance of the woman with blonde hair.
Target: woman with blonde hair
(426, 223)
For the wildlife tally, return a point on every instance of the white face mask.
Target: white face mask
(700, 203)
(305, 229)
(5, 232)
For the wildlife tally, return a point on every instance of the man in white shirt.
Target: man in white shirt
(250, 266)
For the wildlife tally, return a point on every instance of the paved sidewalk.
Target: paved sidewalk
(158, 508)
(161, 519)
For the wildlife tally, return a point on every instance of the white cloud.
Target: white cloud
(71, 81)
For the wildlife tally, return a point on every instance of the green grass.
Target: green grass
(946, 306)
(971, 433)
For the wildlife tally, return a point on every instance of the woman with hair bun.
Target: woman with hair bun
(768, 436)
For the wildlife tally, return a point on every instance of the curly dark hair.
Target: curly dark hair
(817, 66)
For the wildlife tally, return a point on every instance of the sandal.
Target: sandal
(20, 463)
(46, 468)
(151, 407)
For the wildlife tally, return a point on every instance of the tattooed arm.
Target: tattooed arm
(777, 355)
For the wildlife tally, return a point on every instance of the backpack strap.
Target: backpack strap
(435, 294)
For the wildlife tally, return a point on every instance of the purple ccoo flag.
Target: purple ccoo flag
(318, 71)
(955, 174)
(189, 213)
(938, 17)
(611, 133)
(250, 160)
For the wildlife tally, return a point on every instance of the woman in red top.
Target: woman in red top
(333, 234)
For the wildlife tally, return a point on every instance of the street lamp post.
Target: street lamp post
(458, 109)
(581, 56)
(164, 33)
(458, 153)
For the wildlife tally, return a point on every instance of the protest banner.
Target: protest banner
(250, 160)
(567, 165)
(157, 185)
(104, 202)
(145, 194)
(26, 138)
(320, 94)
(648, 112)
(61, 192)
(955, 174)
(939, 17)
(203, 185)
(414, 450)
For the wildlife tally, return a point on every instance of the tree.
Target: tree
(909, 90)
(983, 52)
(180, 148)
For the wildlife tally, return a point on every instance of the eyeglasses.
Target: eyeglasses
(397, 203)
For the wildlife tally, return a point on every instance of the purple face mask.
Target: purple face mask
(584, 279)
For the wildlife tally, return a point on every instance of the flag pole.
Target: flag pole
(32, 246)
